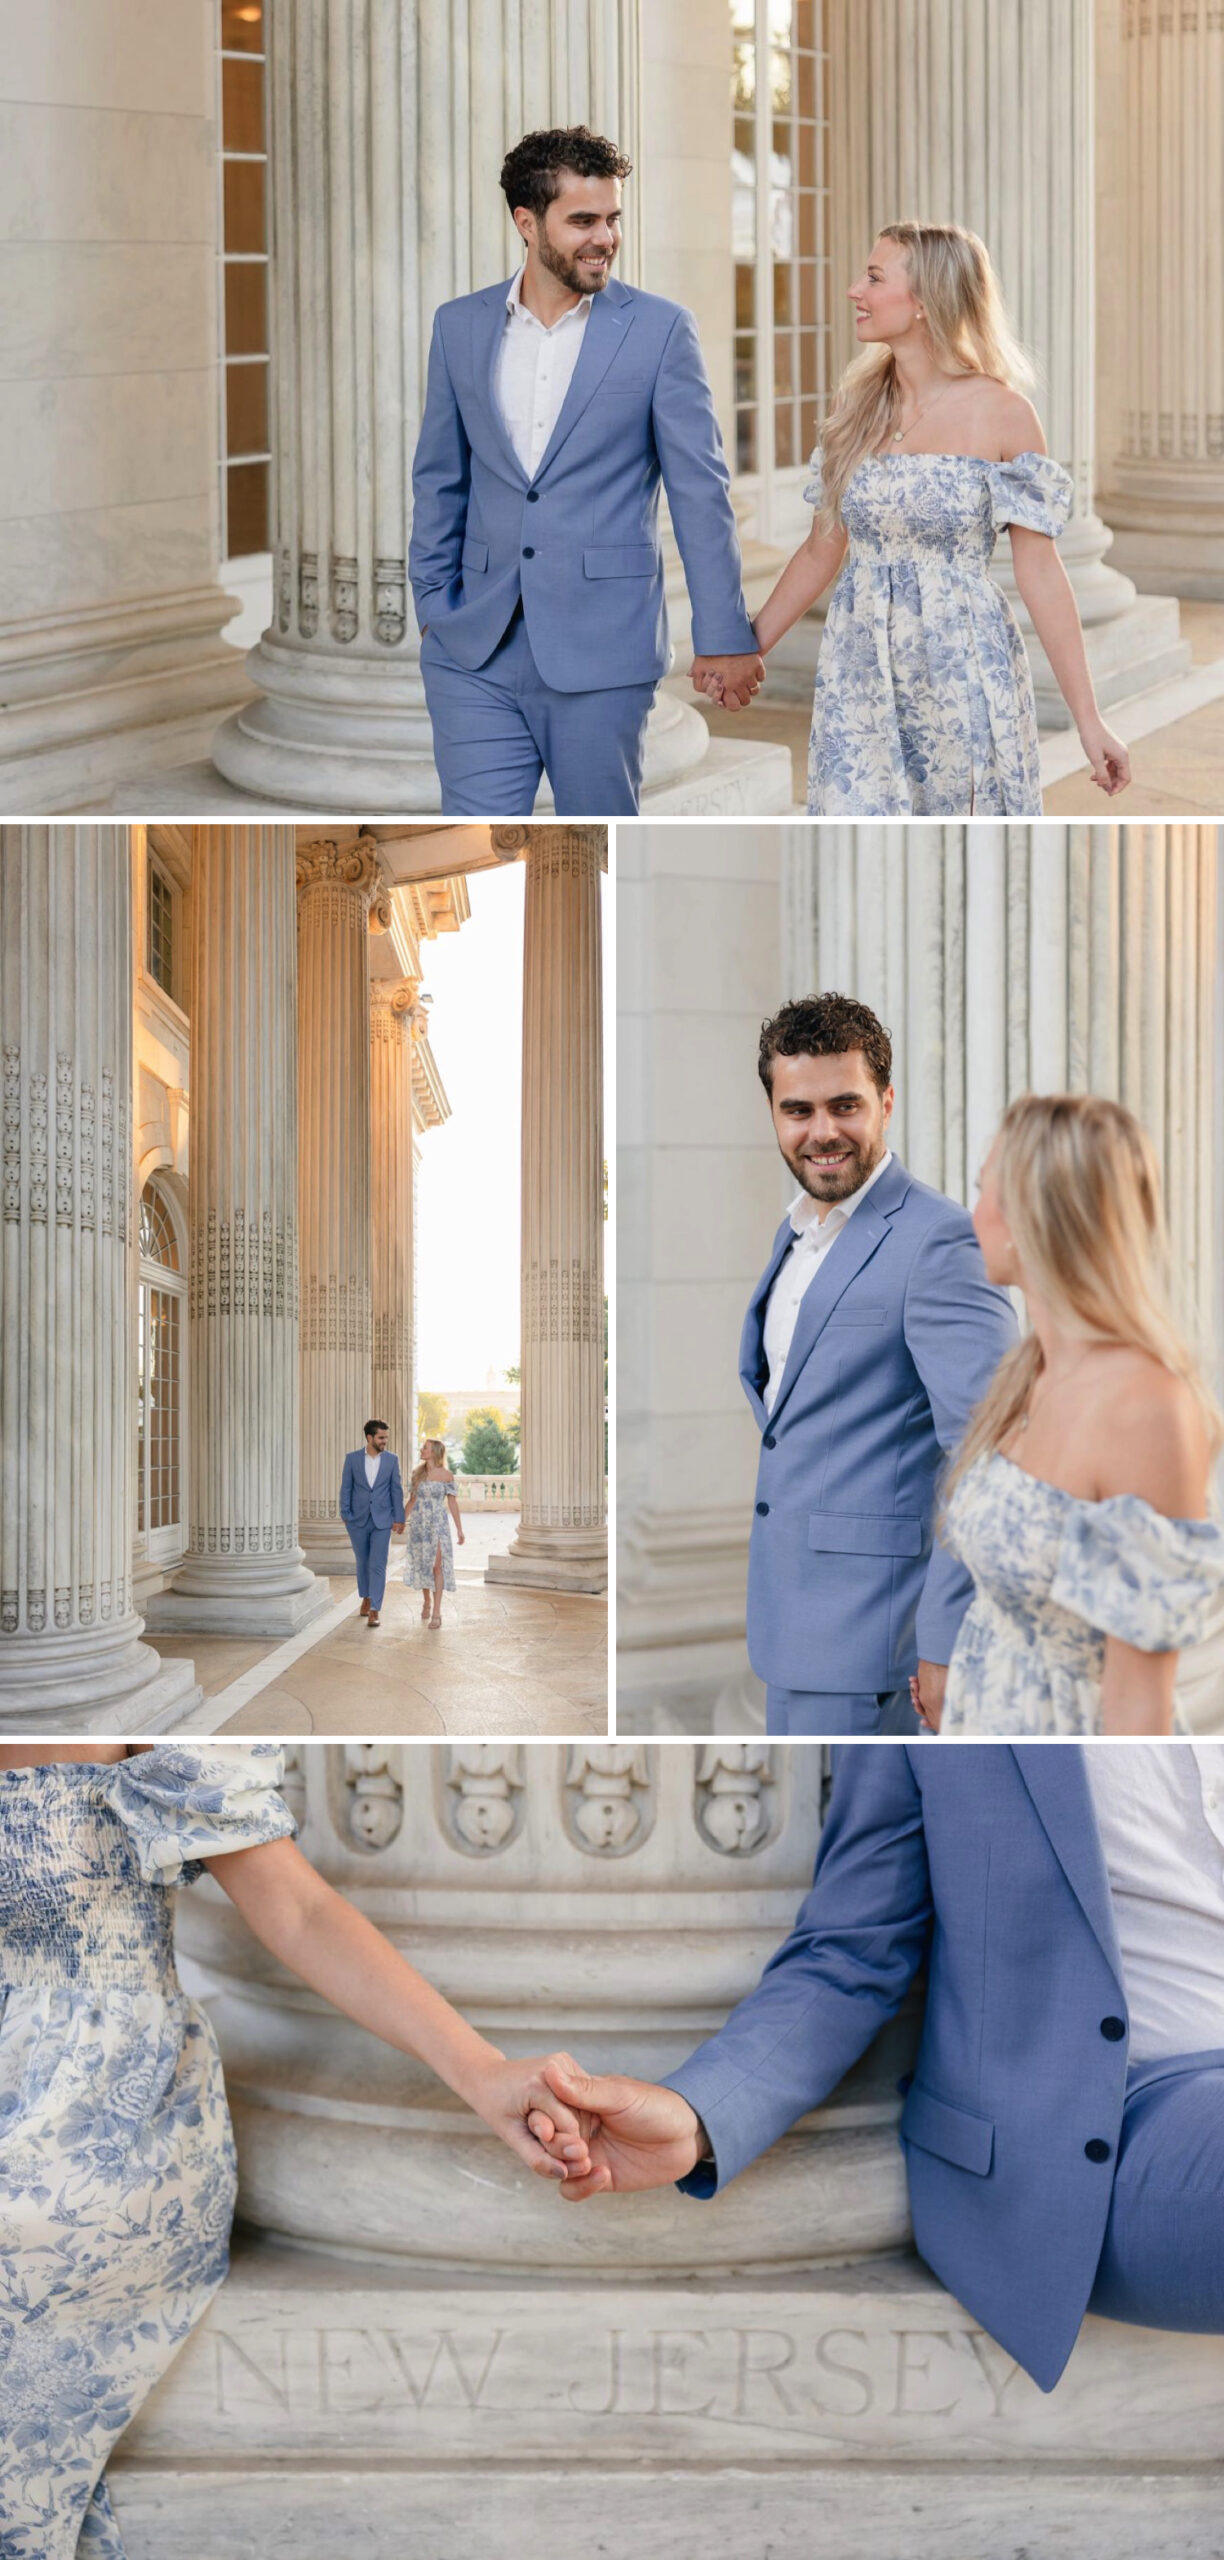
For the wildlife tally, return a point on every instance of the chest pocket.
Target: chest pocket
(857, 1313)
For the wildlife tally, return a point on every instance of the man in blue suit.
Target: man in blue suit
(1063, 2127)
(871, 1335)
(371, 1506)
(557, 405)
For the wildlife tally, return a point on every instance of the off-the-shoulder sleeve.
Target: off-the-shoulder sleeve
(183, 1802)
(1032, 490)
(813, 488)
(1137, 1575)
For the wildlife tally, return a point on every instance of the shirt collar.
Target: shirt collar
(517, 308)
(803, 1209)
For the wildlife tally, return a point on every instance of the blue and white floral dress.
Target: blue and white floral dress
(1054, 1576)
(117, 2171)
(428, 1533)
(924, 701)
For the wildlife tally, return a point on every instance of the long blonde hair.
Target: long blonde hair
(969, 332)
(1079, 1187)
(419, 1471)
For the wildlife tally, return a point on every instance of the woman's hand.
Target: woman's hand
(517, 2103)
(462, 1539)
(1107, 756)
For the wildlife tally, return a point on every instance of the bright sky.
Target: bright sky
(468, 1183)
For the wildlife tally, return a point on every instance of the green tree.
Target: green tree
(433, 1414)
(488, 1450)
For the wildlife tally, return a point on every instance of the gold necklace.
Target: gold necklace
(900, 432)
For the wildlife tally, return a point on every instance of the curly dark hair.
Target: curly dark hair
(825, 1027)
(531, 173)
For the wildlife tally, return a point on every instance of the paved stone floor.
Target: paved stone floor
(503, 1661)
(1178, 767)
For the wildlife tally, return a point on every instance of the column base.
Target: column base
(239, 1608)
(137, 1693)
(1168, 529)
(554, 1560)
(90, 697)
(1133, 642)
(328, 1549)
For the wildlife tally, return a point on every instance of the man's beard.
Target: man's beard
(576, 279)
(840, 1180)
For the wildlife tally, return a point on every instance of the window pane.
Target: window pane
(158, 1241)
(246, 486)
(246, 311)
(746, 440)
(142, 1362)
(163, 1409)
(784, 437)
(242, 120)
(244, 206)
(159, 939)
(242, 28)
(246, 408)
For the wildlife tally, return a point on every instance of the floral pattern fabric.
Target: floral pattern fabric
(1053, 1578)
(429, 1529)
(924, 701)
(117, 2171)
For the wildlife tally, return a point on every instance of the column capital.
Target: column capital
(354, 870)
(396, 1007)
(580, 851)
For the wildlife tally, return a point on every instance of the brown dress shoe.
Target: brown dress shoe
(372, 1618)
(365, 1608)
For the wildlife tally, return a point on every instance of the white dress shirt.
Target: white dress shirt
(535, 367)
(1160, 1812)
(813, 1238)
(372, 1467)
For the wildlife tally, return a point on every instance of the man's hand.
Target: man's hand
(927, 1692)
(397, 1528)
(729, 681)
(638, 2134)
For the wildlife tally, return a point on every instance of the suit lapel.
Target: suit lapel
(492, 328)
(608, 323)
(753, 1373)
(1057, 1781)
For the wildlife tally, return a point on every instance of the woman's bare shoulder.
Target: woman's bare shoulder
(1149, 1434)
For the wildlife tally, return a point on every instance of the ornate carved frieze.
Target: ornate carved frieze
(390, 601)
(373, 1811)
(355, 877)
(483, 1796)
(736, 1797)
(308, 595)
(562, 1302)
(344, 599)
(12, 1135)
(242, 1268)
(609, 1797)
(336, 1313)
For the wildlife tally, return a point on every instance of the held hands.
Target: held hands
(1107, 756)
(397, 1528)
(518, 2103)
(731, 682)
(927, 1693)
(636, 2134)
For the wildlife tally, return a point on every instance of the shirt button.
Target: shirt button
(1113, 2029)
(762, 1507)
(770, 1441)
(1096, 2149)
(528, 552)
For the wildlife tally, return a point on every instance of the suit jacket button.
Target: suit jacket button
(1096, 2149)
(533, 497)
(770, 1441)
(762, 1507)
(528, 553)
(1113, 2029)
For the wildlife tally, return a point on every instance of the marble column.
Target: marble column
(984, 114)
(389, 124)
(397, 1020)
(244, 1572)
(112, 659)
(70, 1652)
(340, 894)
(562, 1540)
(1165, 153)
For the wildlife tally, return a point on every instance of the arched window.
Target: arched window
(159, 1503)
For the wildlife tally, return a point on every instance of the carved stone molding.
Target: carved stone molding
(483, 1796)
(373, 1813)
(355, 875)
(736, 1796)
(609, 1797)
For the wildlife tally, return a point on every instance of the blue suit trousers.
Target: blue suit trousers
(497, 728)
(1162, 2265)
(370, 1546)
(818, 1713)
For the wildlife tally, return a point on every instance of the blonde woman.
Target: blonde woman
(430, 1565)
(924, 701)
(1079, 1496)
(117, 2172)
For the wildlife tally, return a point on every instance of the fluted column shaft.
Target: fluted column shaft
(244, 1569)
(985, 114)
(562, 1537)
(1166, 479)
(70, 1655)
(395, 1016)
(389, 123)
(336, 891)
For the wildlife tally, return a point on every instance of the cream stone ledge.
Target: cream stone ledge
(1165, 495)
(69, 1635)
(1011, 153)
(613, 1898)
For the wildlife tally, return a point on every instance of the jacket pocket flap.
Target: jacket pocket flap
(621, 560)
(475, 555)
(950, 2132)
(866, 1533)
(848, 1313)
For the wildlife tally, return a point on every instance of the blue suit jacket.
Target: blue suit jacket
(898, 1337)
(383, 1501)
(984, 1859)
(581, 541)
